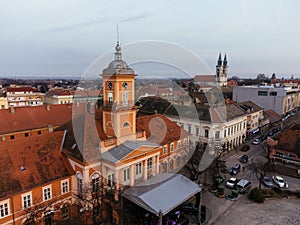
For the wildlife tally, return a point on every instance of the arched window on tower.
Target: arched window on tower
(126, 124)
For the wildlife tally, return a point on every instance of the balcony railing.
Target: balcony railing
(118, 105)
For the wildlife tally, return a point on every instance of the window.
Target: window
(26, 200)
(65, 213)
(49, 218)
(4, 210)
(206, 133)
(164, 167)
(217, 134)
(26, 134)
(126, 124)
(149, 163)
(224, 132)
(262, 93)
(189, 128)
(95, 182)
(64, 186)
(110, 97)
(39, 132)
(47, 193)
(138, 169)
(126, 174)
(197, 131)
(12, 137)
(111, 180)
(171, 147)
(171, 164)
(177, 161)
(165, 149)
(185, 142)
(273, 93)
(79, 182)
(125, 98)
(178, 145)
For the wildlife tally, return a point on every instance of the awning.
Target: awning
(162, 193)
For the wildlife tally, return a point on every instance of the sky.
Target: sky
(62, 38)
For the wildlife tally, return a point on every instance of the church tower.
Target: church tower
(119, 112)
(219, 69)
(222, 71)
(225, 71)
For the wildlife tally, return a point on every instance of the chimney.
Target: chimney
(155, 112)
(3, 137)
(50, 128)
(48, 107)
(12, 109)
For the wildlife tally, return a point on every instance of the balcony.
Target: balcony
(118, 105)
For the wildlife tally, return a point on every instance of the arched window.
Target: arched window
(126, 124)
(79, 182)
(95, 182)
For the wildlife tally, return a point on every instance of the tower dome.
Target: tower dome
(118, 66)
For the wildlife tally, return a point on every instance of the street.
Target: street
(230, 212)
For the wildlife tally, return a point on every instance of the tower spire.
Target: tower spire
(220, 60)
(225, 60)
(118, 54)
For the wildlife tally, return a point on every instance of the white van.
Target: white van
(243, 186)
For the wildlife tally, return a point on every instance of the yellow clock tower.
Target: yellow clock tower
(119, 112)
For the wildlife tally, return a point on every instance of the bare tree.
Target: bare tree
(260, 169)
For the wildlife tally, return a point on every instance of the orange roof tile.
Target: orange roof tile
(27, 118)
(41, 158)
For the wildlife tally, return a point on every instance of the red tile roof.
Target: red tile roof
(41, 158)
(205, 78)
(289, 139)
(159, 129)
(85, 132)
(59, 92)
(27, 118)
(273, 115)
(21, 89)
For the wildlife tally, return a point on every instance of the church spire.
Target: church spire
(225, 61)
(220, 60)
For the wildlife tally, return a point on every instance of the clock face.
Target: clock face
(125, 85)
(109, 85)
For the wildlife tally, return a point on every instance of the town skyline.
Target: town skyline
(63, 39)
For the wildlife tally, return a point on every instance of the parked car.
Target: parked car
(231, 182)
(235, 169)
(263, 137)
(243, 186)
(245, 148)
(256, 141)
(279, 181)
(267, 181)
(244, 159)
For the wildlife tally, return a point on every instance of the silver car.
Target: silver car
(267, 181)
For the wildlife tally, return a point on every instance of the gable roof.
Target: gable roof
(41, 158)
(119, 152)
(28, 118)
